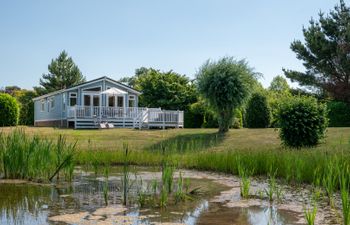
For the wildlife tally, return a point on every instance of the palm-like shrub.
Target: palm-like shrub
(303, 122)
(9, 110)
(258, 113)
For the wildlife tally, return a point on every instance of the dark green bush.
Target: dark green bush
(303, 122)
(339, 114)
(258, 113)
(9, 110)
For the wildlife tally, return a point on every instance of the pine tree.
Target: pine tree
(63, 73)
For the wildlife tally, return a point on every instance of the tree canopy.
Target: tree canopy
(279, 84)
(168, 90)
(225, 84)
(326, 54)
(63, 73)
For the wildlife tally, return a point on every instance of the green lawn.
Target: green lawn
(142, 139)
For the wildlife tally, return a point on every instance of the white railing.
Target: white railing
(139, 115)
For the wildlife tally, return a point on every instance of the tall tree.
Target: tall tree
(279, 84)
(326, 54)
(63, 73)
(225, 84)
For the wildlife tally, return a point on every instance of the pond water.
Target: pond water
(217, 201)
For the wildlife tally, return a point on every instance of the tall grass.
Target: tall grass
(34, 158)
(344, 193)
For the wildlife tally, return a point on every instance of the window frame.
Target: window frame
(76, 98)
(42, 105)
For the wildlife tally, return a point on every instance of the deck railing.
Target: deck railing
(139, 115)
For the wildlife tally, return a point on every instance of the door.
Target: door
(92, 105)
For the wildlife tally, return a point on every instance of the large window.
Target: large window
(64, 101)
(120, 101)
(87, 100)
(111, 101)
(72, 99)
(132, 101)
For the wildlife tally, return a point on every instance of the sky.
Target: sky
(113, 38)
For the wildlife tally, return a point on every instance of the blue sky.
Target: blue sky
(113, 38)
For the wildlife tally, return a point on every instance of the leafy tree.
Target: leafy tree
(63, 73)
(279, 84)
(326, 54)
(25, 100)
(258, 113)
(9, 110)
(303, 122)
(168, 90)
(225, 84)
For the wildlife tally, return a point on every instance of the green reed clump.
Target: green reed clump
(344, 193)
(180, 194)
(272, 185)
(34, 158)
(141, 194)
(105, 184)
(330, 179)
(244, 174)
(310, 214)
(126, 184)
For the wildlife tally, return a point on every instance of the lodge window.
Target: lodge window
(72, 99)
(64, 101)
(52, 102)
(120, 101)
(132, 101)
(42, 105)
(111, 101)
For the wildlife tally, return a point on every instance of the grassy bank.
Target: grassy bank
(258, 150)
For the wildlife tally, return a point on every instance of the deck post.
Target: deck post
(75, 117)
(178, 119)
(163, 119)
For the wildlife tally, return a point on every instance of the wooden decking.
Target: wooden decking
(85, 117)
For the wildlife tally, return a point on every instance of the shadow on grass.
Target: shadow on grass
(188, 143)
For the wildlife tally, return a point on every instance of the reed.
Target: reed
(310, 214)
(35, 158)
(245, 181)
(344, 193)
(105, 184)
(126, 174)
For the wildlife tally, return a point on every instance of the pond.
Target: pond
(212, 199)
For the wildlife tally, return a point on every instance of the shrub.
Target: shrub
(258, 113)
(9, 110)
(302, 121)
(339, 114)
(238, 119)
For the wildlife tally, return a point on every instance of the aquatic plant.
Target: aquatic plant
(245, 181)
(344, 193)
(310, 214)
(141, 194)
(272, 185)
(163, 197)
(29, 157)
(330, 179)
(126, 184)
(180, 195)
(105, 184)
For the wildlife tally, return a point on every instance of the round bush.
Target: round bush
(258, 113)
(303, 122)
(9, 110)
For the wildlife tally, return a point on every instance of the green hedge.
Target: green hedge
(9, 110)
(339, 114)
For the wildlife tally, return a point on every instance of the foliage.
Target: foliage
(200, 115)
(63, 73)
(258, 113)
(168, 90)
(303, 122)
(225, 84)
(279, 84)
(33, 158)
(339, 114)
(9, 110)
(237, 119)
(325, 54)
